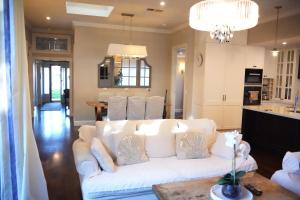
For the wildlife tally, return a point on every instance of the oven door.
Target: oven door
(253, 76)
(252, 95)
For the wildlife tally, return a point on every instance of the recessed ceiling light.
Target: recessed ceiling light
(48, 18)
(88, 9)
(162, 3)
(164, 24)
(284, 43)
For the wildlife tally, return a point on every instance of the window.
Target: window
(46, 80)
(286, 63)
(126, 72)
(144, 74)
(51, 43)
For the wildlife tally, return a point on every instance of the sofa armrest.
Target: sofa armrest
(86, 163)
(244, 149)
(87, 133)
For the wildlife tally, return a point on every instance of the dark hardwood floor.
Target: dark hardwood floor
(55, 133)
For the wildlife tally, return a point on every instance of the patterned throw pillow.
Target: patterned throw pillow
(131, 150)
(191, 145)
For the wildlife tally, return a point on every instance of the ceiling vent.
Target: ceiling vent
(154, 10)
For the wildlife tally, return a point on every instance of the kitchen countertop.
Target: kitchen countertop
(276, 109)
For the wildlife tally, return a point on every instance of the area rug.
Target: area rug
(51, 107)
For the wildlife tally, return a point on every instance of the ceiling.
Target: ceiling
(175, 12)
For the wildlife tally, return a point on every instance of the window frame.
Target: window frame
(42, 35)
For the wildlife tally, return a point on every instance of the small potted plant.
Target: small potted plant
(230, 182)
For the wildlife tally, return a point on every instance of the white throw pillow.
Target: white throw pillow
(220, 149)
(86, 163)
(104, 159)
(205, 126)
(87, 133)
(191, 145)
(131, 150)
(159, 137)
(107, 129)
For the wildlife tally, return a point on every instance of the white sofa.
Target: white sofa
(135, 181)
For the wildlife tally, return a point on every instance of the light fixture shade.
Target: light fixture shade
(127, 50)
(237, 14)
(275, 52)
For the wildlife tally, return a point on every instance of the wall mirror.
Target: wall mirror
(124, 72)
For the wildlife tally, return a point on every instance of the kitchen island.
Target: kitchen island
(271, 127)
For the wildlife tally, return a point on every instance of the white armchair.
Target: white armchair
(289, 176)
(154, 107)
(136, 108)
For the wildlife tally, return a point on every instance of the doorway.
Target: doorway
(51, 82)
(178, 74)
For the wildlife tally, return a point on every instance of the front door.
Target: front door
(55, 83)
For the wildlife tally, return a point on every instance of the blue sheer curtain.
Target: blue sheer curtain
(21, 174)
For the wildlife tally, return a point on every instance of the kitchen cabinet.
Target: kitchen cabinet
(224, 82)
(287, 63)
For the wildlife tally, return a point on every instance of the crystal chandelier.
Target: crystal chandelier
(222, 17)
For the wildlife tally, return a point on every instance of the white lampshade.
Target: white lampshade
(275, 52)
(127, 50)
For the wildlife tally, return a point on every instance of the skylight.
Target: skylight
(88, 9)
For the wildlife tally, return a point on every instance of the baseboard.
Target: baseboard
(80, 123)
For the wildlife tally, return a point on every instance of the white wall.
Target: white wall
(270, 65)
(90, 47)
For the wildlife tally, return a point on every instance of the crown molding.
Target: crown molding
(120, 27)
(180, 27)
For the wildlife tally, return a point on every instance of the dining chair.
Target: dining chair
(154, 107)
(116, 108)
(136, 106)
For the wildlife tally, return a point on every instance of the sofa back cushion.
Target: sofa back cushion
(159, 137)
(107, 131)
(204, 126)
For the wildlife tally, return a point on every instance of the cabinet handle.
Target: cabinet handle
(225, 97)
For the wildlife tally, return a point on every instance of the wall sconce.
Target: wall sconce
(181, 67)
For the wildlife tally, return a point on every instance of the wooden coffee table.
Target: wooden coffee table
(200, 189)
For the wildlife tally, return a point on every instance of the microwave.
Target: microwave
(253, 76)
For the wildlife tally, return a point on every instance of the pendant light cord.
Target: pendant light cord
(130, 31)
(276, 30)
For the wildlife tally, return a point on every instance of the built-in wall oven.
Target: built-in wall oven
(252, 95)
(253, 76)
(253, 86)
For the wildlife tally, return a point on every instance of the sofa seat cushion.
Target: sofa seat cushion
(159, 170)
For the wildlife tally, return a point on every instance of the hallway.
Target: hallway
(54, 137)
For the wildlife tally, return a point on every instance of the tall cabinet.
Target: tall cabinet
(287, 62)
(224, 82)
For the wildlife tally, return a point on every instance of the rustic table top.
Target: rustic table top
(200, 189)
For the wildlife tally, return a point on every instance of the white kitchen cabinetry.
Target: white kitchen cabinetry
(286, 75)
(224, 82)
